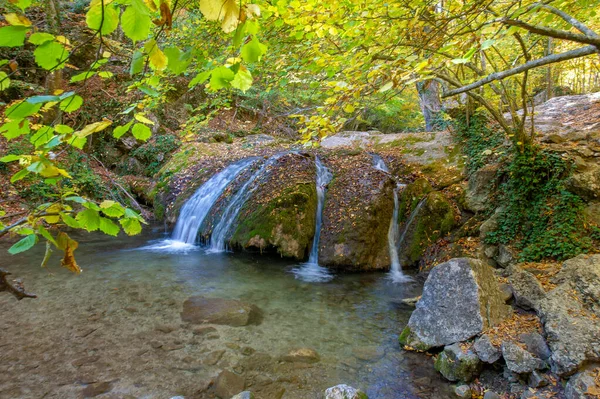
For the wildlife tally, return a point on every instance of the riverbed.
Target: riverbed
(115, 331)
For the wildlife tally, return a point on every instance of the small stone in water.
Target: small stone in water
(229, 384)
(344, 391)
(463, 391)
(214, 357)
(302, 355)
(244, 395)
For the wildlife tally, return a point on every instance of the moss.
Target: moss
(411, 196)
(286, 221)
(455, 365)
(159, 210)
(435, 219)
(403, 338)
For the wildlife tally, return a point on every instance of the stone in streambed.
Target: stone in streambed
(460, 299)
(199, 310)
(96, 389)
(344, 391)
(458, 365)
(228, 384)
(244, 395)
(302, 355)
(463, 391)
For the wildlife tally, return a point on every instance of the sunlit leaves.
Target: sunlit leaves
(13, 36)
(226, 11)
(71, 104)
(242, 80)
(4, 81)
(102, 19)
(135, 21)
(17, 20)
(40, 38)
(141, 132)
(51, 55)
(157, 58)
(221, 77)
(253, 50)
(178, 60)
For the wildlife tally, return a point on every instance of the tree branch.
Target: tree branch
(555, 33)
(551, 59)
(15, 287)
(569, 19)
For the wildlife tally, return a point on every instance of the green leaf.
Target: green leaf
(178, 60)
(137, 63)
(220, 77)
(112, 208)
(71, 104)
(42, 99)
(108, 227)
(242, 80)
(70, 221)
(200, 78)
(96, 22)
(12, 36)
(89, 219)
(40, 38)
(42, 136)
(15, 128)
(23, 245)
(19, 175)
(136, 22)
(10, 158)
(51, 55)
(21, 110)
(23, 4)
(82, 76)
(141, 132)
(253, 50)
(157, 58)
(131, 226)
(4, 81)
(121, 130)
(105, 74)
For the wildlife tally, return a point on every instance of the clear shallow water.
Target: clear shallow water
(119, 322)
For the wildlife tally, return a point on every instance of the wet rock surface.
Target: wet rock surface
(458, 364)
(460, 298)
(343, 391)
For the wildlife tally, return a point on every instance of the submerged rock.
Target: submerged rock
(228, 384)
(344, 391)
(460, 299)
(570, 314)
(199, 310)
(458, 365)
(244, 395)
(302, 355)
(463, 391)
(358, 208)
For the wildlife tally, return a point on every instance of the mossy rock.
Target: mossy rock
(434, 219)
(358, 209)
(456, 364)
(280, 214)
(410, 197)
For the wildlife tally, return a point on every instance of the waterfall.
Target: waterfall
(311, 271)
(219, 237)
(196, 208)
(395, 268)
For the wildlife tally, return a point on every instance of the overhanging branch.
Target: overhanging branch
(550, 59)
(555, 33)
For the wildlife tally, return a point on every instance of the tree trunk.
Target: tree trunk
(429, 100)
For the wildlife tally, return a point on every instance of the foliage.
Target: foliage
(482, 141)
(540, 216)
(153, 153)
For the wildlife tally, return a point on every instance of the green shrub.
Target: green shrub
(155, 153)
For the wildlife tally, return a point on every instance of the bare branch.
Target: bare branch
(551, 59)
(569, 19)
(15, 287)
(555, 33)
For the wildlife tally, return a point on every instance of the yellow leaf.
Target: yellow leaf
(226, 11)
(93, 128)
(143, 119)
(15, 19)
(252, 11)
(158, 60)
(349, 108)
(68, 245)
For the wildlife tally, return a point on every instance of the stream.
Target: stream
(118, 326)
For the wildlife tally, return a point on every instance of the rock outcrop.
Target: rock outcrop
(460, 299)
(358, 208)
(480, 188)
(571, 313)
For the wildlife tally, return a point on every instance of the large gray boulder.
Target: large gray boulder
(571, 313)
(230, 312)
(460, 299)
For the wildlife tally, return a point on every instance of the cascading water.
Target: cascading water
(311, 271)
(218, 239)
(195, 209)
(396, 274)
(395, 268)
